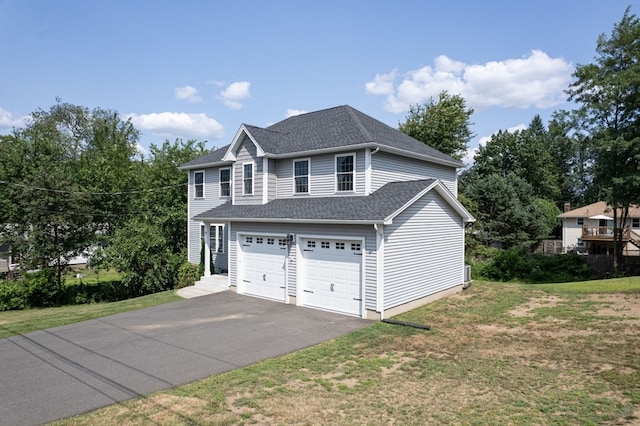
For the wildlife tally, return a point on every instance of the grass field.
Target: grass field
(24, 321)
(496, 354)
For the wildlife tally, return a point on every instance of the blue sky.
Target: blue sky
(199, 69)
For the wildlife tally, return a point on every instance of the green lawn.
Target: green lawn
(497, 354)
(19, 322)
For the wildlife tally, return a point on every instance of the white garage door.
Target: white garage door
(331, 274)
(263, 266)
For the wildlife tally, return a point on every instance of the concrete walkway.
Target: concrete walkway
(207, 285)
(64, 371)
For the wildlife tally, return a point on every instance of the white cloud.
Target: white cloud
(536, 80)
(382, 84)
(178, 125)
(234, 93)
(7, 119)
(292, 112)
(187, 93)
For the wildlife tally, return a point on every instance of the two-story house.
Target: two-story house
(589, 230)
(331, 210)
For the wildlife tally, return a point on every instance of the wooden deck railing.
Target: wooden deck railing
(597, 232)
(605, 233)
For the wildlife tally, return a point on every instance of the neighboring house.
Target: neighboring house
(589, 230)
(332, 210)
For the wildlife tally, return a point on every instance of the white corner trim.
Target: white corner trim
(265, 180)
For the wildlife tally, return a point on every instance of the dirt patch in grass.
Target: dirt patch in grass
(527, 309)
(617, 305)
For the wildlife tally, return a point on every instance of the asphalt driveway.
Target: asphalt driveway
(64, 371)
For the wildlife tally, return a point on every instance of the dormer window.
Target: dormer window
(345, 172)
(301, 176)
(198, 184)
(247, 179)
(225, 182)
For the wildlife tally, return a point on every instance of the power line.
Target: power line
(61, 191)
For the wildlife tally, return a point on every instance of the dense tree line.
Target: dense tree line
(72, 181)
(520, 180)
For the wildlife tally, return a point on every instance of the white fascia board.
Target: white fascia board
(445, 193)
(237, 140)
(404, 153)
(283, 220)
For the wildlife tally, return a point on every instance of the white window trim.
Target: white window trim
(637, 220)
(219, 246)
(293, 174)
(220, 182)
(194, 184)
(253, 178)
(335, 171)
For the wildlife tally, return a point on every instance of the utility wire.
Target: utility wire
(61, 191)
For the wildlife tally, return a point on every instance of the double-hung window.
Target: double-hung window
(635, 222)
(198, 184)
(247, 179)
(225, 182)
(345, 172)
(301, 176)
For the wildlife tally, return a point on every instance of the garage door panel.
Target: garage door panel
(264, 266)
(332, 274)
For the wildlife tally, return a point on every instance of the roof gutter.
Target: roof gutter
(286, 220)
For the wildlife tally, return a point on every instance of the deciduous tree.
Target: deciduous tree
(443, 124)
(608, 92)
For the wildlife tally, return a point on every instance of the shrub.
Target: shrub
(188, 274)
(516, 264)
(43, 289)
(13, 295)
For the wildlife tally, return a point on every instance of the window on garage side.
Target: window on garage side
(198, 184)
(635, 222)
(301, 176)
(580, 221)
(225, 182)
(247, 179)
(345, 172)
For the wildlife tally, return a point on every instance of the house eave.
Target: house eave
(372, 145)
(230, 155)
(206, 165)
(284, 220)
(444, 193)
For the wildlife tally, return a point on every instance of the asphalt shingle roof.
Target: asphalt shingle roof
(338, 127)
(212, 157)
(368, 209)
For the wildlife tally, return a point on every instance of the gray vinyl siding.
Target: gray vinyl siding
(424, 251)
(301, 229)
(246, 153)
(387, 168)
(273, 179)
(322, 176)
(198, 205)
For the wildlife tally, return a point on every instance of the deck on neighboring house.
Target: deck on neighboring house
(599, 239)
